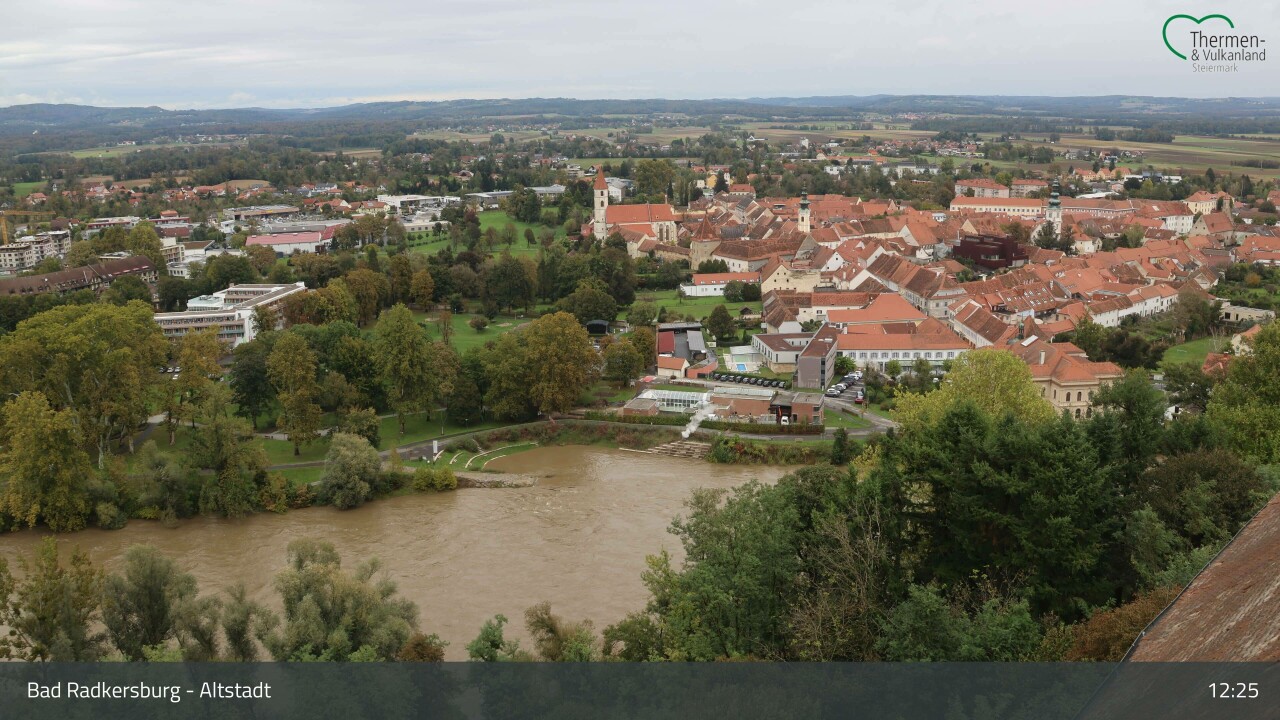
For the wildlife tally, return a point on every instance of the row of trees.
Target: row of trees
(65, 609)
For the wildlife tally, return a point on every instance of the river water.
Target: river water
(577, 539)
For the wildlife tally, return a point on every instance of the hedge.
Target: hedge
(639, 419)
(765, 428)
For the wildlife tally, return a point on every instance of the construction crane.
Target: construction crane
(28, 214)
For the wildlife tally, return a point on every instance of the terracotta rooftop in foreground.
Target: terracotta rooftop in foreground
(1228, 613)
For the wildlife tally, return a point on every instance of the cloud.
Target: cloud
(290, 53)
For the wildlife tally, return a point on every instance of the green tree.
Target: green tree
(721, 323)
(125, 289)
(998, 381)
(841, 453)
(645, 341)
(589, 303)
(142, 604)
(45, 472)
(250, 381)
(417, 374)
(292, 369)
(561, 362)
(52, 613)
(362, 422)
(144, 241)
(622, 363)
(1246, 403)
(350, 471)
(97, 360)
(642, 314)
(422, 289)
(330, 614)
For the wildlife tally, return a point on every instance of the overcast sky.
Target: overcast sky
(296, 53)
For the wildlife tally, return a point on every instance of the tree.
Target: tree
(1188, 385)
(350, 471)
(491, 645)
(125, 289)
(729, 598)
(561, 362)
(198, 354)
(645, 341)
(363, 422)
(1194, 314)
(52, 612)
(250, 381)
(622, 363)
(330, 614)
(893, 369)
(642, 314)
(654, 176)
(45, 472)
(265, 319)
(589, 303)
(144, 241)
(998, 381)
(240, 615)
(721, 323)
(292, 370)
(371, 292)
(1026, 502)
(840, 450)
(97, 360)
(142, 604)
(466, 402)
(417, 374)
(1246, 403)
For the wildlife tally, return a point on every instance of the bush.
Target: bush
(479, 323)
(765, 428)
(108, 516)
(438, 479)
(669, 420)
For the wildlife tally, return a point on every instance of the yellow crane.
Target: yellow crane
(15, 214)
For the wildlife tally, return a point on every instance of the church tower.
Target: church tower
(1054, 213)
(599, 225)
(804, 214)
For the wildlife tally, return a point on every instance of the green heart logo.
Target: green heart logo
(1165, 31)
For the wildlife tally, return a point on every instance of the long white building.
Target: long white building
(230, 310)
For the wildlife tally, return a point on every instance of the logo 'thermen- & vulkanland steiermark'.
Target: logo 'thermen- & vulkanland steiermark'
(1215, 44)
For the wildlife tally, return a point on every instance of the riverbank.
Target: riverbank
(577, 539)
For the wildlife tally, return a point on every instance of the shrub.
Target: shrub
(669, 420)
(765, 428)
(439, 479)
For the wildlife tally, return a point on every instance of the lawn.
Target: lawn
(464, 336)
(23, 189)
(840, 419)
(417, 428)
(1194, 351)
(699, 307)
(498, 219)
(302, 476)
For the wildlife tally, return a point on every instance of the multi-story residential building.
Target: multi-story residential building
(1065, 375)
(230, 310)
(96, 277)
(981, 188)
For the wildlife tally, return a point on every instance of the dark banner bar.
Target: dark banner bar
(351, 691)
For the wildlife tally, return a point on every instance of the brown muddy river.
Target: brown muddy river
(577, 539)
